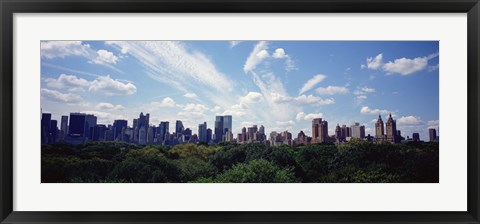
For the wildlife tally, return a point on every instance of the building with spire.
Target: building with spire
(392, 134)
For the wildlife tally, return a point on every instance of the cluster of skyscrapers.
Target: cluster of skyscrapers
(79, 128)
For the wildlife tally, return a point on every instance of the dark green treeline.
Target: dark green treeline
(353, 162)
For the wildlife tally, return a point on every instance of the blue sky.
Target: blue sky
(282, 85)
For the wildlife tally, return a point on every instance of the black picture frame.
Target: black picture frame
(9, 7)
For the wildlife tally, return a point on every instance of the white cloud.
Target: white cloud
(374, 63)
(332, 90)
(362, 97)
(167, 102)
(196, 115)
(311, 83)
(313, 100)
(237, 110)
(190, 95)
(409, 120)
(285, 123)
(303, 116)
(403, 66)
(279, 53)
(263, 54)
(181, 67)
(433, 68)
(364, 90)
(216, 109)
(290, 65)
(70, 82)
(406, 66)
(195, 107)
(105, 57)
(256, 56)
(251, 97)
(234, 43)
(61, 49)
(367, 110)
(109, 106)
(53, 95)
(111, 87)
(433, 124)
(247, 124)
(278, 98)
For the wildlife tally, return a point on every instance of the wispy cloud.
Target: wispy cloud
(311, 83)
(174, 64)
(256, 56)
(234, 43)
(56, 96)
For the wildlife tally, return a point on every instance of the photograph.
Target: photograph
(239, 111)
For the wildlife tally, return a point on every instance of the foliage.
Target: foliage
(352, 162)
(257, 171)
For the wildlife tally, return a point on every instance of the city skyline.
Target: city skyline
(282, 85)
(80, 128)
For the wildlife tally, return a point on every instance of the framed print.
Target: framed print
(247, 112)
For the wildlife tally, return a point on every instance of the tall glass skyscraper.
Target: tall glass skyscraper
(179, 129)
(162, 131)
(202, 132)
(77, 125)
(118, 126)
(219, 130)
(227, 123)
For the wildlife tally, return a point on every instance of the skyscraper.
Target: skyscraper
(358, 131)
(228, 136)
(162, 132)
(346, 131)
(432, 133)
(143, 121)
(202, 132)
(244, 134)
(391, 127)
(90, 122)
(319, 130)
(379, 131)
(179, 129)
(187, 134)
(338, 133)
(142, 135)
(53, 132)
(301, 139)
(118, 126)
(416, 137)
(77, 125)
(227, 123)
(45, 127)
(251, 131)
(209, 135)
(64, 127)
(219, 129)
(150, 134)
(99, 132)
